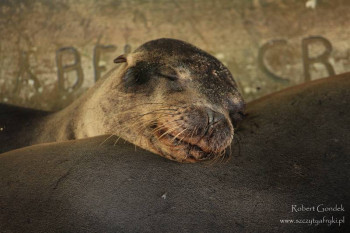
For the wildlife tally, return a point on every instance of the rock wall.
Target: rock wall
(52, 51)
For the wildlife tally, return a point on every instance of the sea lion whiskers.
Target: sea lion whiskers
(213, 158)
(175, 137)
(107, 139)
(116, 141)
(162, 126)
(143, 125)
(142, 104)
(224, 156)
(153, 120)
(132, 108)
(193, 131)
(139, 116)
(144, 114)
(168, 132)
(182, 139)
(139, 131)
(147, 113)
(147, 123)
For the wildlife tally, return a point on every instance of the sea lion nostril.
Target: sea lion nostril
(214, 117)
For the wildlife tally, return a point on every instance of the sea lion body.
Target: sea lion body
(168, 97)
(17, 126)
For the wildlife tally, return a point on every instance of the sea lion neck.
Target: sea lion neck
(82, 118)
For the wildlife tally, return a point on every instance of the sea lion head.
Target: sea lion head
(176, 100)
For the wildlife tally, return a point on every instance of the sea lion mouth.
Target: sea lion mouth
(187, 149)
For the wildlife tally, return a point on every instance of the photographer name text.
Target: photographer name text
(321, 208)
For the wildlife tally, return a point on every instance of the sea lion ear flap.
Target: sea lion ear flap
(120, 59)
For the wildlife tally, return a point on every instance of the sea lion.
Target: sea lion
(168, 97)
(286, 158)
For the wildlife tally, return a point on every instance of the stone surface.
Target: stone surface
(42, 40)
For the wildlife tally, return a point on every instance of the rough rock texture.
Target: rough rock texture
(293, 149)
(41, 39)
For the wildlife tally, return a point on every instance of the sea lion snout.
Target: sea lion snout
(218, 133)
(195, 133)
